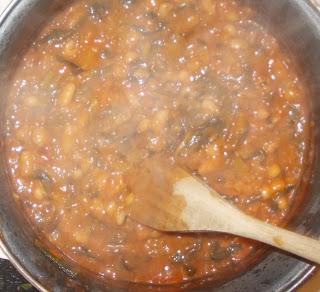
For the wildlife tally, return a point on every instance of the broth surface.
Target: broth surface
(110, 84)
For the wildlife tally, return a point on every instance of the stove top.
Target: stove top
(11, 280)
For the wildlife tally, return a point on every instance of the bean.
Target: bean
(39, 136)
(111, 208)
(31, 101)
(70, 129)
(232, 16)
(93, 106)
(186, 20)
(131, 56)
(278, 185)
(230, 29)
(238, 44)
(132, 37)
(266, 192)
(160, 120)
(156, 143)
(101, 181)
(145, 49)
(164, 10)
(82, 119)
(270, 147)
(98, 208)
(38, 190)
(240, 165)
(54, 236)
(290, 95)
(66, 94)
(141, 73)
(70, 50)
(129, 199)
(26, 163)
(209, 106)
(74, 18)
(120, 216)
(23, 133)
(67, 144)
(116, 184)
(193, 66)
(144, 125)
(81, 236)
(209, 6)
(87, 60)
(213, 150)
(262, 114)
(209, 165)
(77, 173)
(274, 170)
(283, 203)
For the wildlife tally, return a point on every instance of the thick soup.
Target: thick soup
(111, 83)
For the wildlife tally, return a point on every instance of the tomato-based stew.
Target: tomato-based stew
(109, 84)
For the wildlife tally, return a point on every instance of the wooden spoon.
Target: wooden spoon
(169, 199)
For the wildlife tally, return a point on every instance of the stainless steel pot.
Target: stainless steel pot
(297, 25)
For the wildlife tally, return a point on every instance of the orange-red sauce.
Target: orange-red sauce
(108, 84)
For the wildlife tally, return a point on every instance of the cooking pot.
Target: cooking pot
(296, 23)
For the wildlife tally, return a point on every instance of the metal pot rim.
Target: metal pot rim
(293, 285)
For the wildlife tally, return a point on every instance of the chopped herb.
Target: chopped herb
(234, 199)
(178, 257)
(128, 3)
(26, 286)
(126, 265)
(259, 155)
(217, 253)
(98, 10)
(289, 188)
(253, 199)
(44, 177)
(57, 35)
(233, 248)
(82, 250)
(189, 270)
(75, 69)
(194, 247)
(200, 136)
(273, 206)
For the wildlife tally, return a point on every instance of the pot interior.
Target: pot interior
(297, 26)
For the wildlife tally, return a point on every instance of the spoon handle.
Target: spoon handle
(289, 241)
(206, 210)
